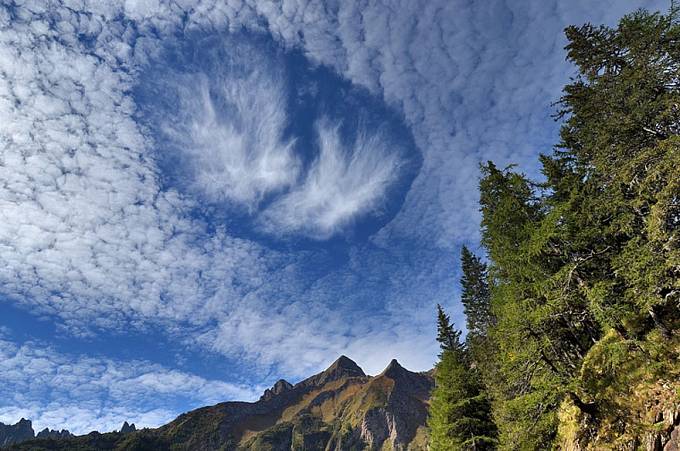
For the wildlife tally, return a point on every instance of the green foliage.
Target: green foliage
(447, 336)
(310, 432)
(460, 414)
(476, 299)
(579, 308)
(276, 438)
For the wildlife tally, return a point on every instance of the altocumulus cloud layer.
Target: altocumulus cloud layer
(89, 393)
(107, 212)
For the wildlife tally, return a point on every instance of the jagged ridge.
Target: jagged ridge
(23, 430)
(340, 408)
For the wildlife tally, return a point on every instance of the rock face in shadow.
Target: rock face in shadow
(398, 420)
(16, 433)
(12, 434)
(53, 434)
(279, 387)
(340, 408)
(126, 428)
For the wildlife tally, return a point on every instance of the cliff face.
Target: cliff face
(16, 433)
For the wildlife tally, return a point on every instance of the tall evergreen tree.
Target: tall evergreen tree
(447, 336)
(476, 298)
(579, 308)
(585, 266)
(460, 414)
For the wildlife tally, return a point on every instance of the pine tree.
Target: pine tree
(622, 135)
(584, 267)
(459, 412)
(476, 298)
(447, 336)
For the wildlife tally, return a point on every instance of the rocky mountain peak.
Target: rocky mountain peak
(346, 367)
(281, 386)
(126, 428)
(52, 433)
(394, 370)
(339, 408)
(23, 422)
(343, 367)
(16, 433)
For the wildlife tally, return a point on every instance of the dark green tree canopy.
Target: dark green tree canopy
(583, 273)
(447, 336)
(476, 296)
(460, 412)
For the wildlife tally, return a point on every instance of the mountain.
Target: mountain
(23, 430)
(15, 433)
(340, 408)
(51, 433)
(126, 428)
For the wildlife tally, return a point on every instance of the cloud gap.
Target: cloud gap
(272, 146)
(221, 122)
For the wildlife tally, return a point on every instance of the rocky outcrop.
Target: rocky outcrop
(397, 420)
(127, 428)
(11, 434)
(54, 434)
(16, 433)
(667, 434)
(279, 387)
(657, 429)
(668, 438)
(376, 427)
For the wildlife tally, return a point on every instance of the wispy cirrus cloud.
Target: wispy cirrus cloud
(226, 121)
(87, 232)
(92, 238)
(474, 80)
(345, 180)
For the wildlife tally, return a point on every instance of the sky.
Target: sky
(200, 197)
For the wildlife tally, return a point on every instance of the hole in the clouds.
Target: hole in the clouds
(271, 145)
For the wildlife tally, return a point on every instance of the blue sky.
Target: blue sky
(200, 197)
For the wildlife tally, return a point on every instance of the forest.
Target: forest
(573, 303)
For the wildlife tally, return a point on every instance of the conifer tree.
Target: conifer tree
(459, 411)
(447, 336)
(476, 298)
(585, 265)
(579, 308)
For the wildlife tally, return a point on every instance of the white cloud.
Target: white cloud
(230, 123)
(83, 393)
(474, 81)
(88, 235)
(344, 181)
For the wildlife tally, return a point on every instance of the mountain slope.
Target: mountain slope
(340, 408)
